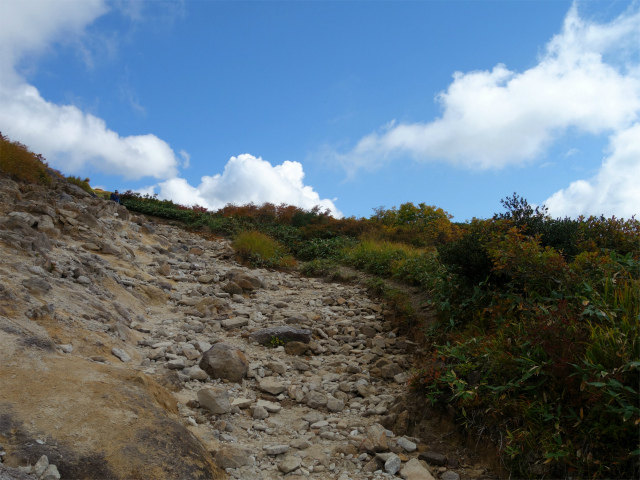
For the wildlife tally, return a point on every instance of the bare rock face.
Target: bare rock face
(226, 362)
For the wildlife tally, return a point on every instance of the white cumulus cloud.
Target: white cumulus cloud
(69, 138)
(247, 179)
(614, 190)
(586, 81)
(499, 117)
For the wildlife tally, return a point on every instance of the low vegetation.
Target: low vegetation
(83, 184)
(20, 163)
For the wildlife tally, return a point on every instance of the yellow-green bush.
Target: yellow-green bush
(261, 250)
(17, 161)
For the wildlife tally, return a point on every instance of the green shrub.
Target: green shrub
(467, 257)
(320, 248)
(549, 362)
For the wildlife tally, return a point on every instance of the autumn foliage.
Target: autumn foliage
(20, 163)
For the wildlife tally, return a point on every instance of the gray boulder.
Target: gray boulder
(224, 361)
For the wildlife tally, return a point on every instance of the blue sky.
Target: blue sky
(347, 104)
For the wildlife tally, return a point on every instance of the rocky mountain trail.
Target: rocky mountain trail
(131, 348)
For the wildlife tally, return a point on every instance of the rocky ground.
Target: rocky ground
(133, 349)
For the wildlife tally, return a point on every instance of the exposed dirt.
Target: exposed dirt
(92, 420)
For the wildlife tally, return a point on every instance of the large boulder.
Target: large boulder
(224, 361)
(240, 277)
(283, 334)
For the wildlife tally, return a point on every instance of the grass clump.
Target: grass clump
(83, 184)
(261, 250)
(20, 163)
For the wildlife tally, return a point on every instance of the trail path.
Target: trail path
(106, 320)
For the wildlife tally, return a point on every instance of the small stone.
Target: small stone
(391, 370)
(242, 403)
(276, 367)
(284, 334)
(51, 473)
(215, 399)
(191, 354)
(449, 475)
(413, 470)
(335, 405)
(270, 407)
(207, 278)
(298, 364)
(407, 445)
(177, 364)
(276, 449)
(232, 288)
(196, 373)
(315, 399)
(392, 465)
(270, 385)
(37, 285)
(300, 443)
(259, 413)
(41, 465)
(433, 458)
(65, 348)
(289, 464)
(296, 348)
(235, 322)
(375, 439)
(121, 354)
